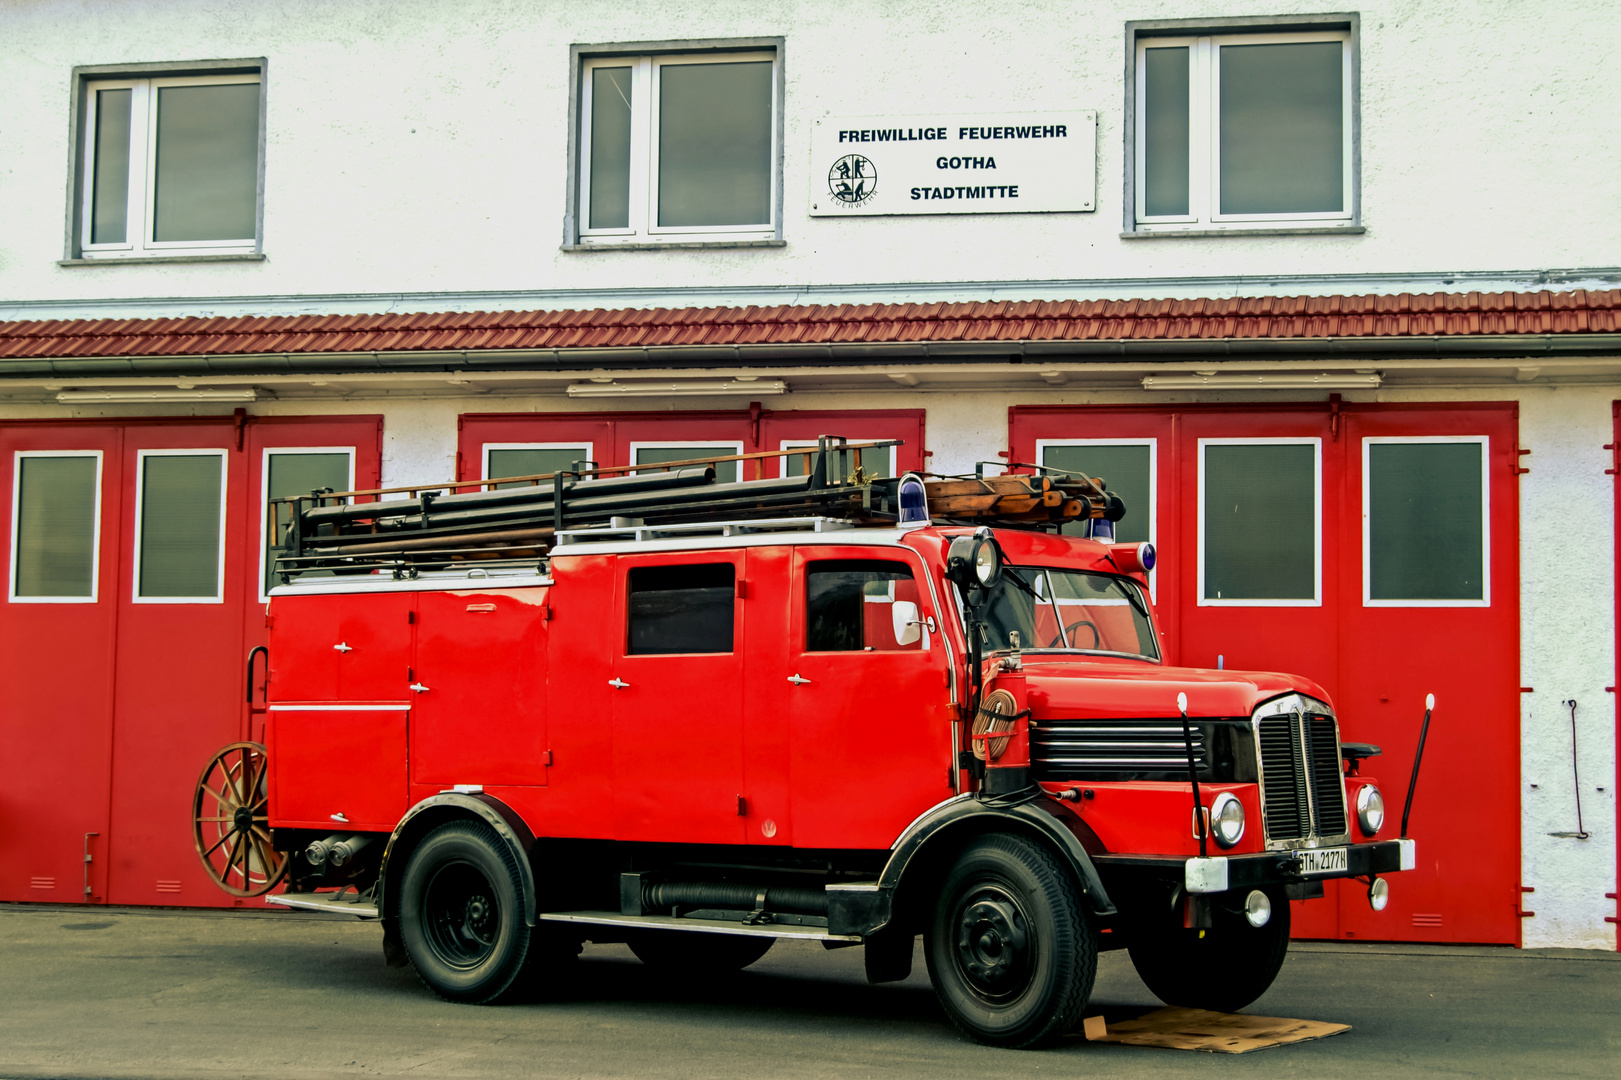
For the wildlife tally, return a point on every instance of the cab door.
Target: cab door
(870, 718)
(677, 698)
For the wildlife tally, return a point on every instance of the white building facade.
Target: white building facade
(1384, 237)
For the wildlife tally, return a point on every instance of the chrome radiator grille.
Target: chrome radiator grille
(1085, 749)
(1302, 793)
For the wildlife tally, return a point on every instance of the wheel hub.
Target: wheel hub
(242, 818)
(993, 944)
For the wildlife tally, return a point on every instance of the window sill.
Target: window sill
(679, 245)
(1190, 234)
(153, 260)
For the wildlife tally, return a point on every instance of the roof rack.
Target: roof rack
(517, 520)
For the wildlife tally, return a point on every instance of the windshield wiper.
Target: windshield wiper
(1136, 601)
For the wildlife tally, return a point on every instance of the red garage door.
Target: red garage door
(136, 577)
(521, 444)
(1373, 548)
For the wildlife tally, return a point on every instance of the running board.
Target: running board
(325, 902)
(704, 926)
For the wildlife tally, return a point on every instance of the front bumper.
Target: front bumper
(1220, 873)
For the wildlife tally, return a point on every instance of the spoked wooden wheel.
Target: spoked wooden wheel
(230, 821)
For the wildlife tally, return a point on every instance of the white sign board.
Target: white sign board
(968, 163)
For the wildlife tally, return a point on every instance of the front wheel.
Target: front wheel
(461, 914)
(1011, 951)
(1223, 968)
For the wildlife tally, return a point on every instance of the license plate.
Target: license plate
(1323, 861)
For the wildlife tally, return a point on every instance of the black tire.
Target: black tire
(461, 914)
(690, 953)
(1011, 951)
(1225, 968)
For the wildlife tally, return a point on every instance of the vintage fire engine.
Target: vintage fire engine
(696, 717)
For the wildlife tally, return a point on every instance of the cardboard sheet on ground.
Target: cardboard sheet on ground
(1218, 1033)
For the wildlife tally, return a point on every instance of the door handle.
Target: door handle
(618, 683)
(344, 646)
(419, 688)
(796, 680)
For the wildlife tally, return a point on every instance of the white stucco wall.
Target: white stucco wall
(414, 146)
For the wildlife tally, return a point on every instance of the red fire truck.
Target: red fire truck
(696, 717)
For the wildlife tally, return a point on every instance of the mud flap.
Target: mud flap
(889, 956)
(393, 947)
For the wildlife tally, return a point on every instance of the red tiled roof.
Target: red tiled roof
(1262, 317)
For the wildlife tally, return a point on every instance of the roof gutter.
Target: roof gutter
(1358, 349)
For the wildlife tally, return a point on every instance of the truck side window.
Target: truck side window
(681, 609)
(848, 605)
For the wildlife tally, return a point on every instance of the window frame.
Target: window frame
(16, 521)
(485, 448)
(264, 498)
(140, 508)
(1153, 488)
(143, 80)
(679, 444)
(1204, 37)
(644, 58)
(1316, 600)
(812, 444)
(816, 558)
(1484, 442)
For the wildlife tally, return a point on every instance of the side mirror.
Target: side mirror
(908, 627)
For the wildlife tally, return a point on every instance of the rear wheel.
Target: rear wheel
(1223, 968)
(461, 914)
(690, 953)
(1011, 952)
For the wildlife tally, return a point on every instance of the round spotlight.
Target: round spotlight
(1370, 810)
(1257, 908)
(1379, 894)
(1145, 555)
(987, 561)
(1227, 819)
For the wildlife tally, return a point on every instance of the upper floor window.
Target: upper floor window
(1243, 130)
(678, 148)
(169, 166)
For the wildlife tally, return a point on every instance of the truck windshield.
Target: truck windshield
(1068, 610)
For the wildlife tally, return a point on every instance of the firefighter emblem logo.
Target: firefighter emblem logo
(852, 180)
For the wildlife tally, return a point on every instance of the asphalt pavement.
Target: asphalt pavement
(115, 993)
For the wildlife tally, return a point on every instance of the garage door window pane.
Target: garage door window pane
(180, 526)
(56, 526)
(1128, 472)
(300, 474)
(1260, 522)
(1426, 521)
(725, 471)
(533, 461)
(873, 461)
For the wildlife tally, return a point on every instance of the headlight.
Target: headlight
(1227, 819)
(1257, 908)
(1370, 810)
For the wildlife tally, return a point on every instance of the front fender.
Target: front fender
(1029, 814)
(448, 806)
